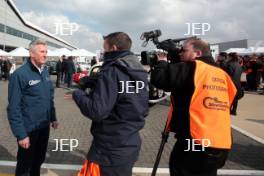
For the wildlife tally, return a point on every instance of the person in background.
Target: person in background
(13, 67)
(63, 75)
(221, 59)
(69, 71)
(234, 70)
(59, 71)
(93, 61)
(253, 67)
(6, 68)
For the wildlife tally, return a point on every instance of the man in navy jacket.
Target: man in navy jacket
(31, 110)
(117, 107)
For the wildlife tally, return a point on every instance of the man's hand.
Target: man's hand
(24, 143)
(55, 124)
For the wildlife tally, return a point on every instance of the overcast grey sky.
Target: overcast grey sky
(229, 19)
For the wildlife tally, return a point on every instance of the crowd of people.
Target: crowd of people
(65, 68)
(251, 65)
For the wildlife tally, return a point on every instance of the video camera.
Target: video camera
(171, 46)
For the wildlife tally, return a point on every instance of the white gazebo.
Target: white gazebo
(82, 52)
(19, 52)
(3, 53)
(259, 50)
(62, 51)
(241, 51)
(235, 50)
(52, 53)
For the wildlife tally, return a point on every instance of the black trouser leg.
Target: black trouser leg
(29, 160)
(180, 164)
(41, 150)
(58, 79)
(65, 77)
(123, 170)
(174, 164)
(234, 107)
(24, 160)
(6, 76)
(69, 80)
(62, 76)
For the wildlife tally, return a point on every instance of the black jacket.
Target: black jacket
(59, 68)
(30, 100)
(234, 70)
(117, 117)
(69, 66)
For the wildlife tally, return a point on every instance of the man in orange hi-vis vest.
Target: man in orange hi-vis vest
(201, 96)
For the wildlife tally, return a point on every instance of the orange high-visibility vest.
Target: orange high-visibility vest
(210, 106)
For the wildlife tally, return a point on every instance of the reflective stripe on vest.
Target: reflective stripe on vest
(210, 106)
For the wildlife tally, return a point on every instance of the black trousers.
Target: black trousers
(123, 170)
(29, 160)
(58, 81)
(69, 79)
(234, 106)
(252, 81)
(188, 163)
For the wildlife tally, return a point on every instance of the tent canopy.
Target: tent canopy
(245, 51)
(62, 51)
(19, 52)
(52, 53)
(3, 53)
(259, 50)
(82, 52)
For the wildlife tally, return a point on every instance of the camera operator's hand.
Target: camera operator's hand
(162, 56)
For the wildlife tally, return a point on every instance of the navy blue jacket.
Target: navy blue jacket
(30, 100)
(117, 117)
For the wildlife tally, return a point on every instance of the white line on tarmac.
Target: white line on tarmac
(252, 136)
(141, 169)
(240, 172)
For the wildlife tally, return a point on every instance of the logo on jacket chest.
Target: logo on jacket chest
(33, 82)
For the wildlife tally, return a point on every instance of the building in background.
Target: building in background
(245, 43)
(15, 31)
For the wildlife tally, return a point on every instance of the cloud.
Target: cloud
(84, 37)
(229, 19)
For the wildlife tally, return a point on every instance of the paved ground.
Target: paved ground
(246, 154)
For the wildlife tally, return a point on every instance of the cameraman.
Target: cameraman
(201, 96)
(117, 115)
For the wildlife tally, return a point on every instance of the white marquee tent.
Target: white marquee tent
(3, 53)
(62, 51)
(245, 51)
(82, 52)
(259, 50)
(50, 53)
(19, 52)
